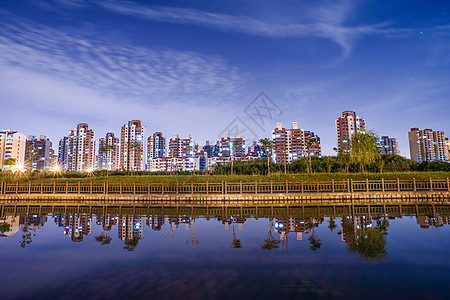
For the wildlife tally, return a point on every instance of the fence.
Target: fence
(224, 187)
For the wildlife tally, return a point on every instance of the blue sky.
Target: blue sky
(194, 66)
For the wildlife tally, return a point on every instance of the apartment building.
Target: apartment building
(388, 145)
(347, 125)
(132, 146)
(427, 145)
(156, 147)
(12, 146)
(38, 153)
(109, 152)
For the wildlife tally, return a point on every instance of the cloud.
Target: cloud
(326, 21)
(116, 69)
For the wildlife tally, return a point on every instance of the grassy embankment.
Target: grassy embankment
(237, 178)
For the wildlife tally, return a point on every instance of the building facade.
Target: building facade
(38, 153)
(291, 144)
(77, 151)
(132, 146)
(109, 152)
(388, 145)
(156, 147)
(427, 145)
(12, 146)
(347, 125)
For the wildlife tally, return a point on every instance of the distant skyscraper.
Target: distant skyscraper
(80, 149)
(132, 146)
(108, 159)
(389, 145)
(156, 147)
(427, 145)
(346, 126)
(12, 145)
(38, 152)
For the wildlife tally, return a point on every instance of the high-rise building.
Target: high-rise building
(79, 150)
(156, 147)
(256, 150)
(447, 141)
(225, 146)
(174, 146)
(388, 145)
(63, 152)
(187, 146)
(346, 126)
(38, 152)
(211, 150)
(132, 146)
(291, 144)
(12, 146)
(427, 145)
(108, 152)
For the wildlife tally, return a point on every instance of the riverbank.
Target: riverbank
(230, 178)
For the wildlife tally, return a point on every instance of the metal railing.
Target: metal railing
(224, 187)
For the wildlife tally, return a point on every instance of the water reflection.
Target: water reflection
(363, 228)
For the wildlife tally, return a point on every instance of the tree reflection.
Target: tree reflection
(332, 224)
(365, 239)
(131, 244)
(236, 244)
(313, 239)
(103, 239)
(270, 242)
(193, 240)
(26, 237)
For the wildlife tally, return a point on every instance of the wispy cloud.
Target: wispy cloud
(324, 21)
(120, 70)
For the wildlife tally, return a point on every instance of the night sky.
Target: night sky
(194, 66)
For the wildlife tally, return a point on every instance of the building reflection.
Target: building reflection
(77, 227)
(361, 228)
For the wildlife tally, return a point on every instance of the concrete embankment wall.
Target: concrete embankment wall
(341, 197)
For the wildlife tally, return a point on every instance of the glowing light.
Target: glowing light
(90, 170)
(18, 168)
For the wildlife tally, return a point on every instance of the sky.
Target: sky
(209, 67)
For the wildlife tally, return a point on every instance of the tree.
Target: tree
(9, 162)
(270, 242)
(310, 142)
(105, 150)
(33, 155)
(268, 146)
(364, 148)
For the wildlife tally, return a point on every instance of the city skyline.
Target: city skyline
(195, 67)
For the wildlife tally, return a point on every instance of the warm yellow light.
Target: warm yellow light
(18, 168)
(90, 170)
(56, 169)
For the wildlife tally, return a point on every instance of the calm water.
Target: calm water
(75, 252)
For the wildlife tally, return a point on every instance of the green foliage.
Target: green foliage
(4, 227)
(364, 149)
